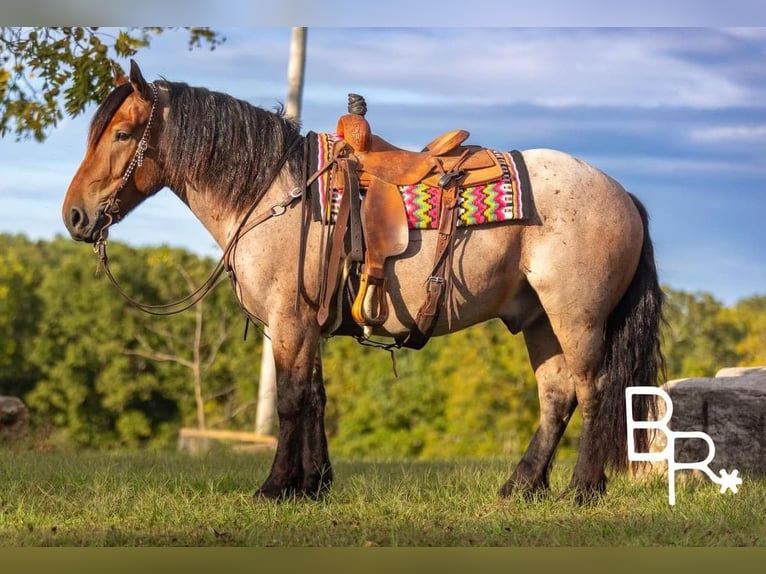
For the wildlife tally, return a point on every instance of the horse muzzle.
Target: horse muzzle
(83, 227)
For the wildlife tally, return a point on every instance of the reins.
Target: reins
(111, 211)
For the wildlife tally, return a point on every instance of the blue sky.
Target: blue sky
(677, 115)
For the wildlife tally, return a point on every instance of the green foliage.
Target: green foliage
(701, 335)
(20, 307)
(97, 373)
(46, 72)
(470, 394)
(70, 345)
(750, 315)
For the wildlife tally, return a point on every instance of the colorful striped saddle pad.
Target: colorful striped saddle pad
(489, 202)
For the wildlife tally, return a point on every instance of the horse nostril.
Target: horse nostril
(75, 217)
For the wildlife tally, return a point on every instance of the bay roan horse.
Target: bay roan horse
(577, 277)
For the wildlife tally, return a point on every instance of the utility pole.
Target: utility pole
(266, 418)
(296, 68)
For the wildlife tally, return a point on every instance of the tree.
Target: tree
(700, 336)
(20, 271)
(471, 393)
(46, 72)
(86, 387)
(81, 358)
(751, 315)
(183, 342)
(96, 384)
(203, 364)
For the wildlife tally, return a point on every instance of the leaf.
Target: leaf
(60, 71)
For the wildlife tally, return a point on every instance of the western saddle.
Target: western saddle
(371, 223)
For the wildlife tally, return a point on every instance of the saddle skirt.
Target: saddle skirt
(491, 191)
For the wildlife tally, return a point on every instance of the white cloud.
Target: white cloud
(739, 133)
(553, 67)
(747, 32)
(550, 67)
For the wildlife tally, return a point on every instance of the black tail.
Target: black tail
(633, 355)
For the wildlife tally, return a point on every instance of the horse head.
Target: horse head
(121, 166)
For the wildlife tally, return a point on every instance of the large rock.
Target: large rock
(14, 419)
(731, 409)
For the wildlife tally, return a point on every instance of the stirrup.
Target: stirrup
(377, 288)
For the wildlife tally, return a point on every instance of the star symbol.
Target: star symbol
(729, 481)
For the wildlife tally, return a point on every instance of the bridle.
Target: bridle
(112, 213)
(112, 204)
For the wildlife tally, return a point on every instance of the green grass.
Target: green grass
(172, 499)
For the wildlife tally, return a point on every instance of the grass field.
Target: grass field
(173, 499)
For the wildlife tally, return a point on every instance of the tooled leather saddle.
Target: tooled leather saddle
(371, 223)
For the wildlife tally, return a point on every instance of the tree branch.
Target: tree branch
(155, 356)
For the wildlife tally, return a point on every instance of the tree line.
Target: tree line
(97, 373)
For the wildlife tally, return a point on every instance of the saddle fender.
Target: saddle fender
(386, 234)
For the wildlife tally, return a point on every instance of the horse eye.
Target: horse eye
(122, 136)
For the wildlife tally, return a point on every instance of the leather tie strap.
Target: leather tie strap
(337, 245)
(440, 279)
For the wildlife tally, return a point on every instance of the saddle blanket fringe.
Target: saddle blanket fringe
(490, 202)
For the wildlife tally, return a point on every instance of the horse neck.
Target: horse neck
(251, 256)
(218, 200)
(223, 222)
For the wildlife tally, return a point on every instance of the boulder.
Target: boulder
(731, 409)
(14, 419)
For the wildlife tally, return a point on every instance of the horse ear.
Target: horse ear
(119, 77)
(140, 85)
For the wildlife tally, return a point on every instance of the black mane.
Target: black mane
(220, 142)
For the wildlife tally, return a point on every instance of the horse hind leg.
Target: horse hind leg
(583, 348)
(558, 401)
(566, 350)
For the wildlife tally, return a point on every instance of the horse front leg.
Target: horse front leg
(301, 464)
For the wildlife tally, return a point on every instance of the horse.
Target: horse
(577, 277)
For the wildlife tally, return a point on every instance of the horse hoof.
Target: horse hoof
(589, 495)
(263, 495)
(530, 491)
(313, 493)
